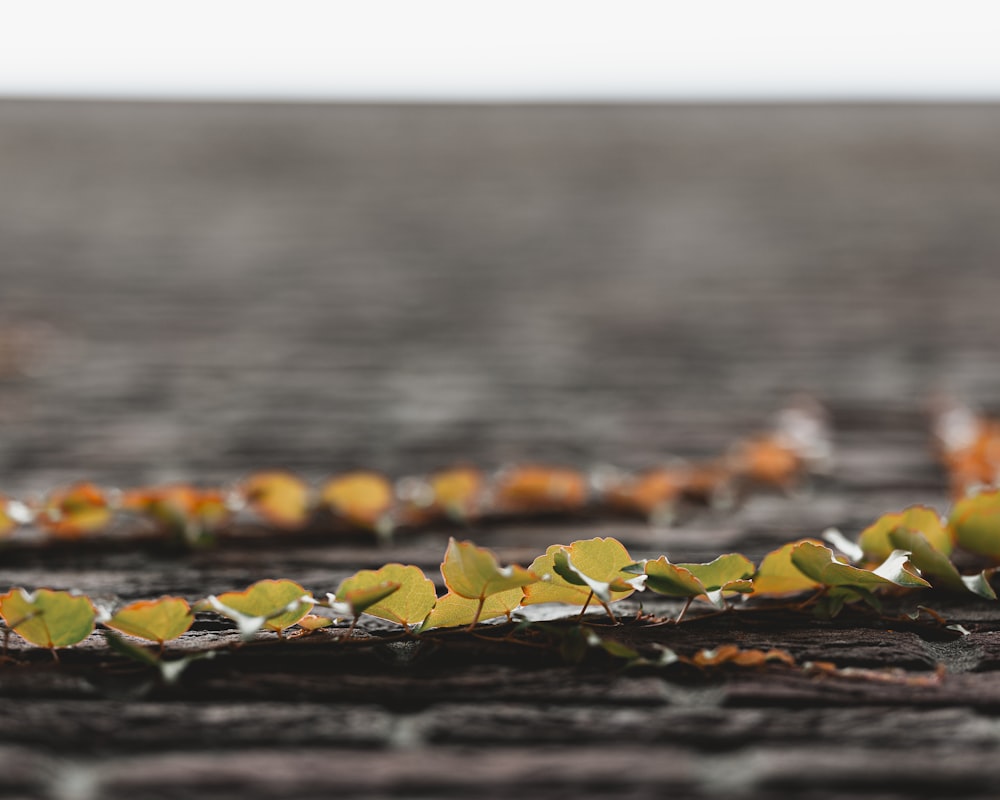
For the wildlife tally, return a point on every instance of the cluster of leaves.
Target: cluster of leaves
(968, 446)
(901, 551)
(370, 501)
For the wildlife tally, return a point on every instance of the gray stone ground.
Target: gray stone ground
(198, 291)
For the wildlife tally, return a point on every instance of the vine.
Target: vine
(900, 552)
(371, 502)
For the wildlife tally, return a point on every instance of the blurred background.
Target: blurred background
(401, 237)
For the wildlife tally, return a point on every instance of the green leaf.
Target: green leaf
(933, 562)
(453, 610)
(975, 522)
(727, 573)
(777, 575)
(408, 603)
(156, 620)
(272, 604)
(48, 618)
(474, 572)
(820, 564)
(601, 560)
(875, 540)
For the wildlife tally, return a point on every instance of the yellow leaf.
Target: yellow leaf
(535, 489)
(453, 610)
(75, 511)
(777, 575)
(280, 498)
(48, 618)
(474, 572)
(975, 521)
(270, 599)
(600, 559)
(407, 605)
(364, 499)
(875, 539)
(156, 620)
(313, 622)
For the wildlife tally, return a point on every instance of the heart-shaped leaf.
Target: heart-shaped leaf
(313, 622)
(279, 498)
(271, 604)
(458, 492)
(76, 511)
(536, 489)
(649, 494)
(363, 499)
(475, 573)
(975, 522)
(931, 561)
(820, 564)
(875, 540)
(182, 508)
(156, 620)
(726, 574)
(562, 564)
(48, 618)
(408, 604)
(600, 560)
(777, 575)
(453, 610)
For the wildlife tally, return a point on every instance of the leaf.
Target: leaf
(767, 460)
(931, 561)
(75, 511)
(458, 492)
(184, 508)
(272, 604)
(313, 622)
(777, 575)
(279, 498)
(363, 499)
(975, 522)
(564, 567)
(407, 604)
(48, 618)
(156, 620)
(820, 564)
(647, 494)
(7, 522)
(731, 654)
(875, 539)
(536, 489)
(474, 572)
(601, 560)
(453, 610)
(727, 573)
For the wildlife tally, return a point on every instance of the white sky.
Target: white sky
(509, 50)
